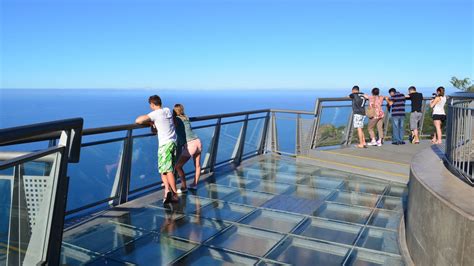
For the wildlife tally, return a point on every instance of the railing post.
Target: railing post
(275, 147)
(350, 130)
(422, 122)
(125, 169)
(57, 220)
(316, 120)
(214, 146)
(241, 142)
(298, 137)
(264, 136)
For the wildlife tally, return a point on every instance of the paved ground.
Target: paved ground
(390, 162)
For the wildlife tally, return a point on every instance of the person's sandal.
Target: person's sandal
(192, 186)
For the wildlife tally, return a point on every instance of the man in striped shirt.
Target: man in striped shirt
(397, 106)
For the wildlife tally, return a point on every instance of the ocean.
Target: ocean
(92, 178)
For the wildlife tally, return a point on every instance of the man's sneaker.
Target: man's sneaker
(372, 143)
(379, 143)
(182, 190)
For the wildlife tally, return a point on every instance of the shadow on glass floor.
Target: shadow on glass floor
(267, 211)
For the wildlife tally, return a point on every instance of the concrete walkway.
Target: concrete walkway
(389, 162)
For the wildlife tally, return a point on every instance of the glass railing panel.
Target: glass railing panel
(333, 125)
(286, 132)
(305, 130)
(228, 141)
(27, 203)
(297, 251)
(205, 136)
(6, 186)
(92, 179)
(253, 135)
(144, 162)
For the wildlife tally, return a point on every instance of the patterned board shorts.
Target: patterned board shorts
(166, 157)
(358, 121)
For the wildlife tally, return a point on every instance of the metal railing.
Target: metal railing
(460, 133)
(36, 202)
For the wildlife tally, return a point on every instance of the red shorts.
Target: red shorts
(192, 148)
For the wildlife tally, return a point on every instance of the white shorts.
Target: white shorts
(358, 121)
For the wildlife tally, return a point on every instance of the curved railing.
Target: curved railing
(33, 192)
(460, 133)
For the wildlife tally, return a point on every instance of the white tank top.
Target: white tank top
(438, 109)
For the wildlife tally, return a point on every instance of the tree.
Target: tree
(462, 84)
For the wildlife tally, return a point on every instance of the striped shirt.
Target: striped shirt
(398, 106)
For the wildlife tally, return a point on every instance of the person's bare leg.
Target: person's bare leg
(197, 164)
(438, 131)
(164, 179)
(371, 126)
(171, 182)
(415, 135)
(380, 129)
(360, 132)
(179, 168)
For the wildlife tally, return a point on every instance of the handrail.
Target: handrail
(125, 127)
(22, 134)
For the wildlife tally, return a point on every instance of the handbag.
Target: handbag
(370, 112)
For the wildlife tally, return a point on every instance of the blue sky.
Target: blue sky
(219, 44)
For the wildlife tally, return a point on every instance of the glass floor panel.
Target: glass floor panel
(385, 219)
(366, 258)
(209, 256)
(270, 187)
(187, 204)
(297, 251)
(397, 191)
(158, 249)
(354, 198)
(310, 193)
(97, 237)
(344, 213)
(148, 218)
(285, 178)
(222, 210)
(250, 197)
(391, 203)
(194, 228)
(329, 231)
(274, 221)
(251, 215)
(213, 191)
(246, 240)
(322, 182)
(365, 187)
(236, 181)
(379, 239)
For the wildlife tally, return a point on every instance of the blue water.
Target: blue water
(96, 171)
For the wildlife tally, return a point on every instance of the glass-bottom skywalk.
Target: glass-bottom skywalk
(270, 210)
